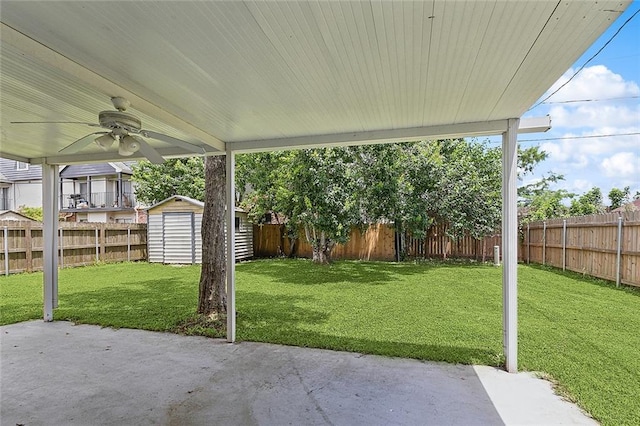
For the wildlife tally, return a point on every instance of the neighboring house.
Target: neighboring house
(173, 229)
(20, 185)
(98, 193)
(629, 207)
(88, 193)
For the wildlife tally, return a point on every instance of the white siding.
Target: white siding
(178, 238)
(197, 220)
(154, 238)
(244, 238)
(171, 238)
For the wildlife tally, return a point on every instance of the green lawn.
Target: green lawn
(583, 333)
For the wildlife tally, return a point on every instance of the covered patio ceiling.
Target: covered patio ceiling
(249, 75)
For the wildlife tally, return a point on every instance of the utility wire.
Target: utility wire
(588, 61)
(579, 137)
(572, 137)
(590, 100)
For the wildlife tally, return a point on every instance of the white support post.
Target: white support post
(510, 245)
(129, 244)
(50, 210)
(231, 244)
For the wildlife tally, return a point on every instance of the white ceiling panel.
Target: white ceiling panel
(215, 72)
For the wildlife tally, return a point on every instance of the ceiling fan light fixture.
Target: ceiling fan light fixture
(128, 145)
(105, 141)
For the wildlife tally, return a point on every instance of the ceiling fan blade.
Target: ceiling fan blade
(56, 122)
(151, 154)
(173, 141)
(80, 143)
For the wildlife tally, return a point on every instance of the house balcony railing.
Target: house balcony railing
(98, 200)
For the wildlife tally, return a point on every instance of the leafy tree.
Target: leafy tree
(470, 190)
(546, 205)
(34, 213)
(588, 203)
(619, 197)
(182, 176)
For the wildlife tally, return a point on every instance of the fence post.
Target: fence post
(528, 243)
(564, 244)
(28, 246)
(619, 254)
(496, 255)
(544, 242)
(6, 250)
(128, 244)
(97, 246)
(61, 247)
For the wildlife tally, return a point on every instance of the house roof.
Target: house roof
(244, 75)
(632, 206)
(14, 215)
(10, 172)
(95, 169)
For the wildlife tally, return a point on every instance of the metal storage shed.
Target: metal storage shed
(173, 229)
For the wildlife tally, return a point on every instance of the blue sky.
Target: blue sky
(604, 162)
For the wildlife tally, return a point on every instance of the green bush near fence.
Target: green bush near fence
(581, 332)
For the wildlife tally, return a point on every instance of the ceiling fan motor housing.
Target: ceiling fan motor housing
(119, 119)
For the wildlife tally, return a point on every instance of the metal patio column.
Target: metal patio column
(510, 245)
(231, 244)
(50, 211)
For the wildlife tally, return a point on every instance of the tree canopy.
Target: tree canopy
(181, 176)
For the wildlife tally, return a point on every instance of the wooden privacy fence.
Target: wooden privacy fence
(604, 246)
(78, 244)
(378, 242)
(438, 244)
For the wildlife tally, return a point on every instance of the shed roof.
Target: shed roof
(14, 215)
(186, 199)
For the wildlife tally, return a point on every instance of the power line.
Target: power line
(590, 100)
(573, 137)
(579, 137)
(588, 61)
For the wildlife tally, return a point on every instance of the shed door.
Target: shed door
(179, 244)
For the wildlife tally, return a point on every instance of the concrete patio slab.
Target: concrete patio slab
(64, 374)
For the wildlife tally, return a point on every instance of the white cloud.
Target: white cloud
(581, 185)
(622, 164)
(596, 114)
(595, 82)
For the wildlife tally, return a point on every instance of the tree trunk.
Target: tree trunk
(212, 298)
(321, 246)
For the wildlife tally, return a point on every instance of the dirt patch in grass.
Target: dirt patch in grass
(201, 325)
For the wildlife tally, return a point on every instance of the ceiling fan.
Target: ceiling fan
(123, 128)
